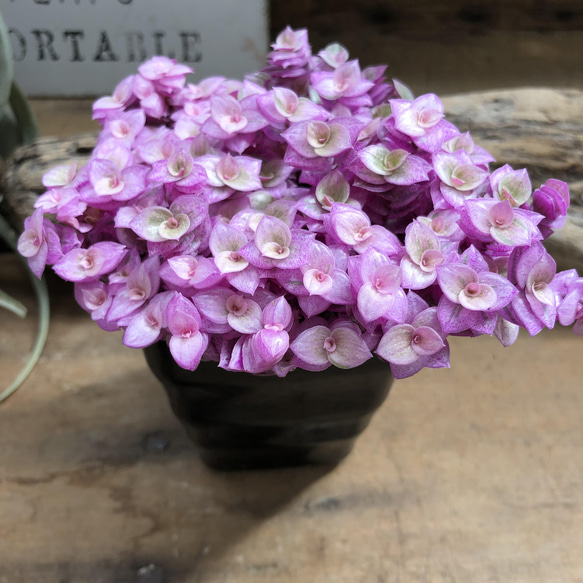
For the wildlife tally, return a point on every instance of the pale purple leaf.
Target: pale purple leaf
(396, 345)
(244, 316)
(212, 304)
(477, 297)
(455, 318)
(418, 239)
(317, 282)
(505, 290)
(182, 316)
(414, 277)
(338, 142)
(454, 278)
(246, 280)
(351, 350)
(506, 332)
(187, 351)
(341, 292)
(309, 345)
(277, 314)
(313, 305)
(426, 341)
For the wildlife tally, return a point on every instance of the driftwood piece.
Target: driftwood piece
(540, 129)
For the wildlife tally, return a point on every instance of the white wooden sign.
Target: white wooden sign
(85, 47)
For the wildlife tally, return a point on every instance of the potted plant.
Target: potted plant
(294, 239)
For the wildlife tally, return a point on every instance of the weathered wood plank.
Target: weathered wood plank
(428, 16)
(453, 45)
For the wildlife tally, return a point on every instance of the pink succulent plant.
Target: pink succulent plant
(306, 217)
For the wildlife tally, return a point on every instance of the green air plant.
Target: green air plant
(17, 127)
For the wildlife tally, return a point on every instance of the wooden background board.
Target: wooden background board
(450, 46)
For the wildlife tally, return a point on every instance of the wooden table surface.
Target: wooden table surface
(466, 475)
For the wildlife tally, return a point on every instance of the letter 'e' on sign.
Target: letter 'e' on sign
(85, 47)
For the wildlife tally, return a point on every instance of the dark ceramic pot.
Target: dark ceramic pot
(243, 421)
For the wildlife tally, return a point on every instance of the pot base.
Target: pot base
(241, 421)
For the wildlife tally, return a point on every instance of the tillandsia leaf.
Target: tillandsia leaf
(9, 236)
(6, 63)
(26, 122)
(13, 305)
(17, 124)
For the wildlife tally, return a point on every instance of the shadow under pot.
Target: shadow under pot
(241, 421)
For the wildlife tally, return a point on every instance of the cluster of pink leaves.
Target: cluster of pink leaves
(312, 215)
